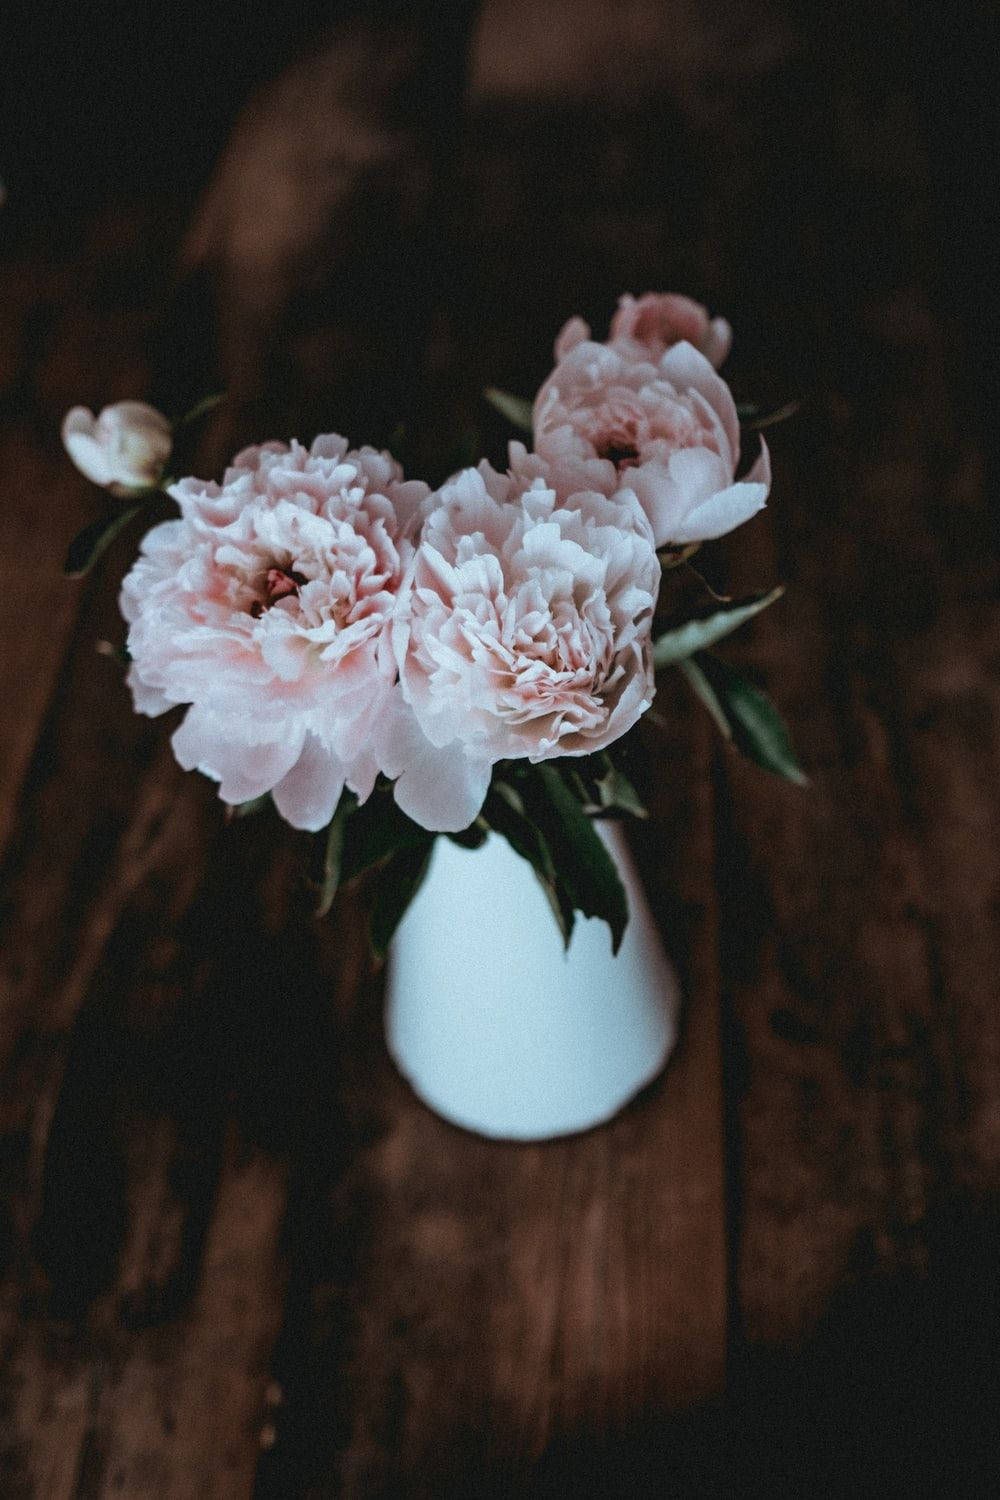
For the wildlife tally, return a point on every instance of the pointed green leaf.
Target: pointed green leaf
(617, 794)
(585, 869)
(704, 690)
(201, 409)
(674, 557)
(504, 811)
(694, 635)
(517, 411)
(758, 730)
(333, 851)
(752, 419)
(90, 543)
(398, 883)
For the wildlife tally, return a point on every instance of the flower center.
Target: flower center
(622, 455)
(280, 583)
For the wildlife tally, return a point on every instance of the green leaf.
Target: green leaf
(517, 411)
(333, 852)
(704, 690)
(94, 540)
(600, 786)
(201, 409)
(376, 831)
(694, 635)
(757, 728)
(504, 811)
(255, 805)
(617, 794)
(674, 557)
(398, 884)
(585, 869)
(473, 837)
(752, 419)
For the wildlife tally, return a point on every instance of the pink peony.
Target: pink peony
(265, 607)
(646, 327)
(124, 449)
(667, 430)
(523, 631)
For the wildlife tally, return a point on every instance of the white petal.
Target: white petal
(445, 789)
(570, 334)
(147, 700)
(440, 787)
(761, 471)
(718, 342)
(307, 795)
(670, 489)
(90, 456)
(730, 507)
(721, 513)
(686, 369)
(215, 746)
(361, 777)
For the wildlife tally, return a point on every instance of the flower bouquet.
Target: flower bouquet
(390, 664)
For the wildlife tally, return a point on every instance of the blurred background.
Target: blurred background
(237, 1256)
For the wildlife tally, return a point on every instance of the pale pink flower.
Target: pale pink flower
(656, 321)
(667, 430)
(124, 449)
(523, 631)
(265, 607)
(646, 327)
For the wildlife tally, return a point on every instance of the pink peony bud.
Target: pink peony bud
(656, 321)
(124, 449)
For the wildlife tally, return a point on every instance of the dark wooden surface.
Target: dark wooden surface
(237, 1256)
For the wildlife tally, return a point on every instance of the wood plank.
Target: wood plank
(141, 1274)
(142, 1285)
(75, 320)
(859, 920)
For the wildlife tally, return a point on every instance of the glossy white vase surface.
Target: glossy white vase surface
(497, 1026)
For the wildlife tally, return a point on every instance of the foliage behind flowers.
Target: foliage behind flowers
(389, 663)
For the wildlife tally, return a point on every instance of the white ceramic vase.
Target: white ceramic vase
(500, 1029)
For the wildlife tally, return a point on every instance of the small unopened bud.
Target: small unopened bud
(124, 449)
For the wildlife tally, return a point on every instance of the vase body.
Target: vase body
(497, 1026)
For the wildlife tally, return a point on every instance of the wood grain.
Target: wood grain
(237, 1256)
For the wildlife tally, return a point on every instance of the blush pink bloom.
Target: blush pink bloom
(666, 430)
(646, 327)
(123, 449)
(266, 608)
(523, 631)
(656, 321)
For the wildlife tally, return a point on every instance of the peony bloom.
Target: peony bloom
(265, 607)
(124, 449)
(646, 327)
(523, 631)
(667, 430)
